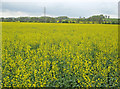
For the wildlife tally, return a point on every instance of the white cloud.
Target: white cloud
(8, 13)
(71, 8)
(60, 0)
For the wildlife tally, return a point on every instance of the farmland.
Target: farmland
(59, 55)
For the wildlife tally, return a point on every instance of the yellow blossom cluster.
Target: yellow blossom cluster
(59, 55)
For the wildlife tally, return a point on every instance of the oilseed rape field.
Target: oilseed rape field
(59, 55)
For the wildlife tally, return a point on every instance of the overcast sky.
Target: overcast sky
(70, 8)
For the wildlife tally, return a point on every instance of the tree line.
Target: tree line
(96, 19)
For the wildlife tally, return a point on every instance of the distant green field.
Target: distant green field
(59, 55)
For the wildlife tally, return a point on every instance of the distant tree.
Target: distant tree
(105, 16)
(97, 18)
(100, 19)
(78, 20)
(62, 17)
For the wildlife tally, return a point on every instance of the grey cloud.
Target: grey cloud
(73, 9)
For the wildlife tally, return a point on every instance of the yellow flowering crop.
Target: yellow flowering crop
(62, 55)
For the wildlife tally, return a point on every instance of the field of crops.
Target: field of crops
(59, 55)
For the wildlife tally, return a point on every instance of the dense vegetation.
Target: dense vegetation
(59, 55)
(98, 19)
